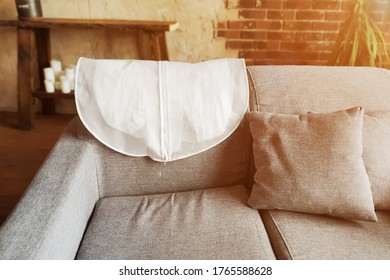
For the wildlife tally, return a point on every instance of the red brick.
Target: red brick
(384, 27)
(267, 62)
(249, 62)
(273, 45)
(317, 62)
(384, 65)
(377, 16)
(307, 55)
(273, 62)
(318, 15)
(242, 24)
(387, 16)
(326, 26)
(348, 6)
(258, 54)
(269, 45)
(231, 34)
(387, 37)
(308, 36)
(325, 55)
(234, 4)
(297, 4)
(239, 44)
(221, 25)
(268, 25)
(293, 46)
(254, 35)
(276, 54)
(291, 55)
(337, 15)
(297, 25)
(295, 61)
(327, 5)
(252, 14)
(260, 45)
(281, 35)
(280, 14)
(259, 62)
(320, 46)
(330, 36)
(271, 4)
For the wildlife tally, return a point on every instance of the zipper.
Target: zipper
(164, 111)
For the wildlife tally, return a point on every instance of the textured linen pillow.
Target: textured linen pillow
(311, 163)
(376, 156)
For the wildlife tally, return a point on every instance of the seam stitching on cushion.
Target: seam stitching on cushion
(96, 169)
(281, 235)
(247, 154)
(255, 88)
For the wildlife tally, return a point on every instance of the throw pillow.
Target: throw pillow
(376, 156)
(311, 163)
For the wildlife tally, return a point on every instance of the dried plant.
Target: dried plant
(360, 41)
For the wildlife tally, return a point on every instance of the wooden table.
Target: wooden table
(34, 38)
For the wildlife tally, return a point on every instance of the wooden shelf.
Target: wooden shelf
(41, 94)
(34, 39)
(136, 25)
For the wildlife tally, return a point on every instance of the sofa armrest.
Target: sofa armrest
(50, 219)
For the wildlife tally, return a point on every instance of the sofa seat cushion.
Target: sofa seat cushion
(202, 224)
(296, 235)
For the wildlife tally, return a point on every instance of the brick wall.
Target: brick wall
(291, 31)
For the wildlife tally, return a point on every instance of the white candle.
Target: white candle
(70, 74)
(48, 73)
(56, 65)
(65, 85)
(57, 85)
(59, 74)
(49, 86)
(72, 84)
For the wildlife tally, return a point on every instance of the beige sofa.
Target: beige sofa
(89, 202)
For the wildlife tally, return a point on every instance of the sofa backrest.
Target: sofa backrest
(226, 164)
(299, 89)
(277, 89)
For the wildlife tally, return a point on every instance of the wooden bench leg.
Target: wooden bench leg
(26, 52)
(152, 45)
(44, 55)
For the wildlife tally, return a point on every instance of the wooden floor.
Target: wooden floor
(22, 153)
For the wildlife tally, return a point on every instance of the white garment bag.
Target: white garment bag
(165, 110)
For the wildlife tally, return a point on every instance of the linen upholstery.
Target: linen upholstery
(298, 90)
(303, 236)
(224, 165)
(322, 89)
(376, 155)
(50, 219)
(202, 224)
(311, 163)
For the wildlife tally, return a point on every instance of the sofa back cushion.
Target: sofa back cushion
(226, 164)
(322, 89)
